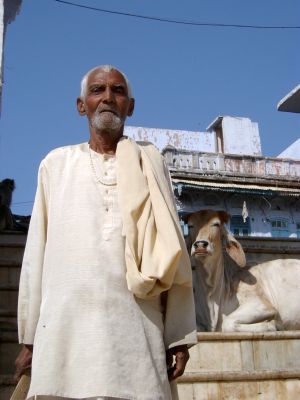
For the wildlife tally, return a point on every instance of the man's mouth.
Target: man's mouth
(108, 110)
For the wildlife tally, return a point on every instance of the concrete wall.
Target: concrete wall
(241, 136)
(187, 140)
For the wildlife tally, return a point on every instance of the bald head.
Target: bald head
(105, 68)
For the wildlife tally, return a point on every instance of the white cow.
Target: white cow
(231, 297)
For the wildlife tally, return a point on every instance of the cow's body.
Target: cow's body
(232, 297)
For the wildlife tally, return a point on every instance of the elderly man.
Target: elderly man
(105, 291)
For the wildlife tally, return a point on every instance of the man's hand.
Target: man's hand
(182, 356)
(23, 362)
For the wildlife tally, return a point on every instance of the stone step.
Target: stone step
(8, 299)
(9, 352)
(245, 351)
(238, 376)
(8, 313)
(13, 238)
(10, 263)
(280, 389)
(9, 287)
(11, 253)
(8, 335)
(9, 349)
(6, 380)
(8, 318)
(10, 275)
(8, 322)
(7, 386)
(11, 250)
(243, 366)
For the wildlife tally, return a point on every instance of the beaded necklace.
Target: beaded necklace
(97, 177)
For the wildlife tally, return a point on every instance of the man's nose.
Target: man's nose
(108, 95)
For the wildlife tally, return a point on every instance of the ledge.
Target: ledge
(235, 376)
(227, 336)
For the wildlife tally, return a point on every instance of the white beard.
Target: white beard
(106, 121)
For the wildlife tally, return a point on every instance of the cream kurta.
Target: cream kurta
(92, 337)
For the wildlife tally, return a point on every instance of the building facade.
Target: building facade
(223, 168)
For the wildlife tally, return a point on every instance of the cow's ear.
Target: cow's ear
(224, 216)
(235, 251)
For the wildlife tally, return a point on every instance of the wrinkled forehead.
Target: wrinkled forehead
(102, 76)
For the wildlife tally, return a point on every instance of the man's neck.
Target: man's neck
(104, 142)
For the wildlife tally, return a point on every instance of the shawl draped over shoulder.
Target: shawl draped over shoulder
(155, 252)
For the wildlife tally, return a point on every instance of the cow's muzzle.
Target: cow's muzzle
(200, 247)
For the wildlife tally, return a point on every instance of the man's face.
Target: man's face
(106, 103)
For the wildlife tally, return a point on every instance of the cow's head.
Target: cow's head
(208, 235)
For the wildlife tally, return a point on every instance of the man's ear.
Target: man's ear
(131, 108)
(81, 106)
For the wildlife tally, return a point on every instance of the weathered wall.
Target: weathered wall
(241, 136)
(194, 141)
(257, 166)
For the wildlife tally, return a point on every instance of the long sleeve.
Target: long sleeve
(32, 267)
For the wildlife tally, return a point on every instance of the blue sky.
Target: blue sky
(182, 76)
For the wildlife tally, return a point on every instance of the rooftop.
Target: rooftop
(291, 102)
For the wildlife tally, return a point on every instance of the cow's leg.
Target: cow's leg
(252, 317)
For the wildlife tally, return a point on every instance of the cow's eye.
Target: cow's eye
(217, 224)
(190, 226)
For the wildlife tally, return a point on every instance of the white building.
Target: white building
(223, 135)
(293, 151)
(223, 168)
(8, 11)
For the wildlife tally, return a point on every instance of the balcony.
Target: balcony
(232, 165)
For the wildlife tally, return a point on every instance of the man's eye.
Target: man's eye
(96, 89)
(119, 89)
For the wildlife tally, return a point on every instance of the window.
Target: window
(211, 200)
(280, 228)
(184, 227)
(238, 227)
